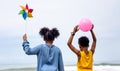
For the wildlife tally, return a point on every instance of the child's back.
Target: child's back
(85, 57)
(85, 61)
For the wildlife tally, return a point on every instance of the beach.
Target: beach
(69, 68)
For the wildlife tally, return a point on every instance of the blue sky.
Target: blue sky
(63, 14)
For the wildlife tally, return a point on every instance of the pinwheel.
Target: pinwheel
(26, 12)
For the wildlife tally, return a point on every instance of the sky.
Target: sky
(64, 15)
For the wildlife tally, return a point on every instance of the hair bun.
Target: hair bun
(43, 31)
(55, 32)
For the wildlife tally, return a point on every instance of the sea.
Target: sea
(28, 67)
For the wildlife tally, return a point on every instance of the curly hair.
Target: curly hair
(83, 41)
(48, 34)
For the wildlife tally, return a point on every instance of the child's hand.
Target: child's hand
(24, 37)
(92, 27)
(75, 29)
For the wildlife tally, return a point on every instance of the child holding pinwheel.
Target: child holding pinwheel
(49, 56)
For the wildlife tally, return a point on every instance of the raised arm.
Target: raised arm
(26, 47)
(94, 41)
(69, 43)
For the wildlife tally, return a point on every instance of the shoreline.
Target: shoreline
(66, 67)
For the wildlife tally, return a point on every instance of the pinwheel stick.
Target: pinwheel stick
(26, 27)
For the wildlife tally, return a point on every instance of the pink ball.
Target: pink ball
(85, 25)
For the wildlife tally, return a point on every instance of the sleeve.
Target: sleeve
(28, 50)
(60, 63)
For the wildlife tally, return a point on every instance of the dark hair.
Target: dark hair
(49, 35)
(83, 41)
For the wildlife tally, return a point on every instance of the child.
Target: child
(85, 56)
(49, 56)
